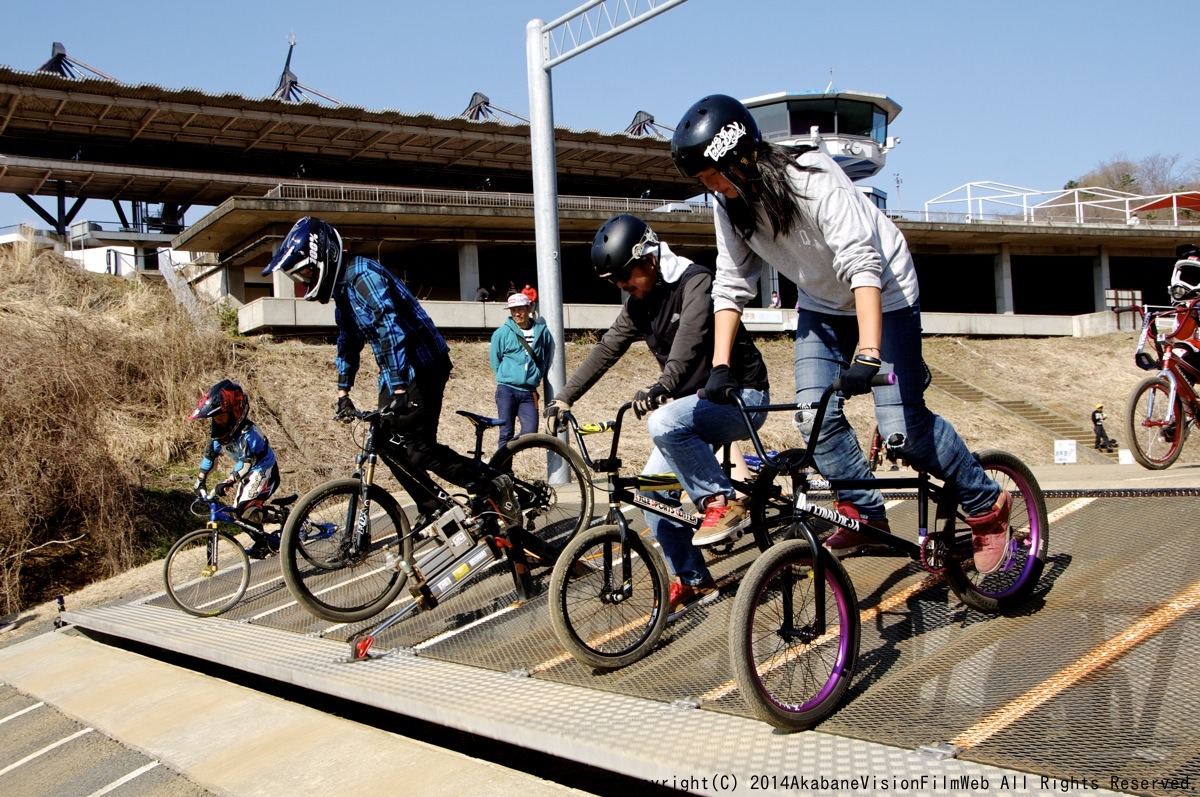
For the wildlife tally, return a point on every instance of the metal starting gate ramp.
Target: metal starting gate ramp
(1092, 686)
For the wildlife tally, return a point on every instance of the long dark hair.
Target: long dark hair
(770, 187)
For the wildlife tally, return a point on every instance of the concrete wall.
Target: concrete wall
(281, 315)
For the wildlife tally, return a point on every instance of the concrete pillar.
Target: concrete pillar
(768, 280)
(282, 286)
(468, 270)
(1101, 279)
(1003, 276)
(236, 286)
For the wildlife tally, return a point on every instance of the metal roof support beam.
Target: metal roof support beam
(546, 46)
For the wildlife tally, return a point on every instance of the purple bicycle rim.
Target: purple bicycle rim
(839, 666)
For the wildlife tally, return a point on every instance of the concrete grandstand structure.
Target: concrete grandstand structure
(445, 202)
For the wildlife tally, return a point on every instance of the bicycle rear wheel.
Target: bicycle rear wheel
(1155, 444)
(1029, 541)
(552, 513)
(321, 567)
(206, 572)
(791, 673)
(599, 618)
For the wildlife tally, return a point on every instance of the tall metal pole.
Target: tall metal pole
(545, 200)
(546, 46)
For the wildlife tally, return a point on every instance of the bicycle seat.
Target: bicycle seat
(287, 500)
(480, 420)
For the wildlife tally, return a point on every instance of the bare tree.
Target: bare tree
(1153, 174)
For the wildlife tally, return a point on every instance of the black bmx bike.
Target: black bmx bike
(795, 624)
(348, 548)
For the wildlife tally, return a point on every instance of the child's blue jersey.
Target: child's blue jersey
(248, 450)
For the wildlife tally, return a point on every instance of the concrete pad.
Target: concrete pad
(235, 741)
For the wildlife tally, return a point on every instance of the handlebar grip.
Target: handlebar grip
(879, 380)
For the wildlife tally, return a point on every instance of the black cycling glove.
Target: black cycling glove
(345, 409)
(857, 380)
(721, 385)
(649, 399)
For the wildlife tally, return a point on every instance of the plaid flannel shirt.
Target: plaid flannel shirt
(372, 306)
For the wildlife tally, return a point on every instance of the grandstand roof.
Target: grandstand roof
(112, 140)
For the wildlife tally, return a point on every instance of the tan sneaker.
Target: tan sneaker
(722, 522)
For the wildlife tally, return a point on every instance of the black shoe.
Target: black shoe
(504, 499)
(261, 549)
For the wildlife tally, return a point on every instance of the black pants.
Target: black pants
(410, 446)
(1102, 440)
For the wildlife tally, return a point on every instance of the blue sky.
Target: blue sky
(1025, 92)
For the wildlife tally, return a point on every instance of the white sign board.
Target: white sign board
(1124, 456)
(1064, 452)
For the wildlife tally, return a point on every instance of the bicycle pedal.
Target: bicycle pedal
(360, 648)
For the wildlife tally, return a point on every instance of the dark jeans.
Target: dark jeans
(512, 403)
(1102, 440)
(412, 437)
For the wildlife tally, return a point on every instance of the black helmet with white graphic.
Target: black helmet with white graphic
(718, 132)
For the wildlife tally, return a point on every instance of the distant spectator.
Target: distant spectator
(512, 288)
(1102, 441)
(521, 351)
(775, 298)
(481, 294)
(530, 293)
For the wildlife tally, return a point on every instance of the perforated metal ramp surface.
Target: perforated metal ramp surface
(1094, 681)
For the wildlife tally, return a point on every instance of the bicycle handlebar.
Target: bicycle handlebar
(879, 380)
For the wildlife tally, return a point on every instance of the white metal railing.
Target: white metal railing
(1000, 203)
(429, 196)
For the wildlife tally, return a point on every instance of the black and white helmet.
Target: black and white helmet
(1185, 281)
(620, 244)
(311, 254)
(718, 132)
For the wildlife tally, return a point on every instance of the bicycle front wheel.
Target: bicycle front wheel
(553, 513)
(1029, 541)
(331, 573)
(602, 619)
(1154, 442)
(791, 671)
(206, 572)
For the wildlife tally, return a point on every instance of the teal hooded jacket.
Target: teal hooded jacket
(511, 362)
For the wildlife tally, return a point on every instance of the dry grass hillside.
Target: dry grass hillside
(103, 372)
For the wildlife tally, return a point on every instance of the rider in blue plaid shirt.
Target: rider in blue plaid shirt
(372, 306)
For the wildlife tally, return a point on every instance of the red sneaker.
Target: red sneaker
(989, 535)
(844, 542)
(685, 596)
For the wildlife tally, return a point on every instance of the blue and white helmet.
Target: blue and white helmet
(311, 254)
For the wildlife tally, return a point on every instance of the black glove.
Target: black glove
(649, 399)
(721, 385)
(201, 482)
(345, 409)
(857, 380)
(553, 415)
(222, 487)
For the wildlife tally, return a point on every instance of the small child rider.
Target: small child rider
(255, 473)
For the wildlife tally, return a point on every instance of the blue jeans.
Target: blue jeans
(512, 403)
(684, 433)
(823, 343)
